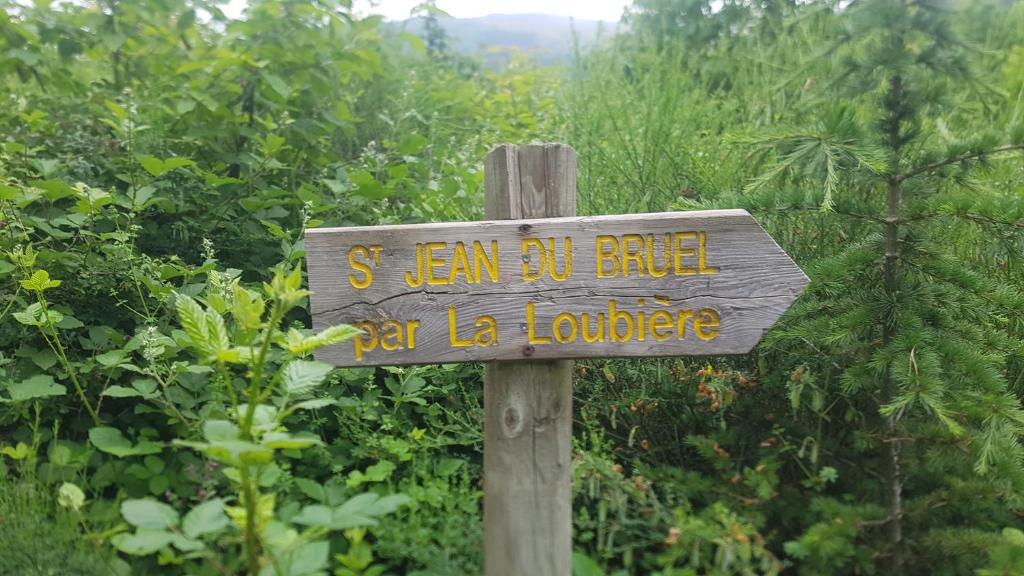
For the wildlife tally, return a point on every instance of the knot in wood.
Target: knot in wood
(528, 350)
(511, 422)
(525, 228)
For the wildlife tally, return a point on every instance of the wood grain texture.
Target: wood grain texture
(755, 282)
(528, 405)
(528, 468)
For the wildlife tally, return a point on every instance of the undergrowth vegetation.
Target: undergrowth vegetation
(160, 410)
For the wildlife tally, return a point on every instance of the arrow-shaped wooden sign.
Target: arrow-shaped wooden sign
(666, 284)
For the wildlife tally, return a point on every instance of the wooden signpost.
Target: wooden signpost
(528, 290)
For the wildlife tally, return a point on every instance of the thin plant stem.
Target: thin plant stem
(58, 349)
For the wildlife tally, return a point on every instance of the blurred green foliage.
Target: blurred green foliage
(159, 160)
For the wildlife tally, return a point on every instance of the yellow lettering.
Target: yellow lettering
(652, 269)
(490, 262)
(453, 337)
(706, 324)
(527, 244)
(411, 326)
(661, 320)
(641, 331)
(365, 342)
(433, 263)
(460, 260)
(614, 315)
(603, 254)
(681, 252)
(702, 256)
(391, 335)
(531, 334)
(597, 336)
(354, 253)
(566, 259)
(417, 280)
(630, 254)
(486, 331)
(681, 327)
(376, 249)
(560, 335)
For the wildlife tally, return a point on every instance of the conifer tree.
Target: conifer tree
(920, 338)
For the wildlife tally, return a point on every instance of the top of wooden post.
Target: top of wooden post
(530, 181)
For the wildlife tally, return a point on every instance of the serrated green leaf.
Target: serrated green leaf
(111, 441)
(309, 559)
(376, 473)
(69, 323)
(39, 281)
(157, 167)
(412, 144)
(38, 386)
(311, 489)
(285, 441)
(54, 190)
(313, 404)
(247, 308)
(117, 109)
(145, 385)
(44, 358)
(275, 82)
(31, 316)
(122, 392)
(150, 514)
(152, 165)
(300, 344)
(217, 430)
(233, 452)
(142, 542)
(361, 510)
(315, 515)
(205, 518)
(218, 332)
(582, 565)
(272, 144)
(111, 358)
(193, 319)
(176, 162)
(186, 544)
(302, 376)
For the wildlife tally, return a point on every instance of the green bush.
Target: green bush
(160, 162)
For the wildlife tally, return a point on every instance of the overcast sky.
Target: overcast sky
(607, 10)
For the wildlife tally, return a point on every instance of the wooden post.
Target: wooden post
(528, 404)
(718, 283)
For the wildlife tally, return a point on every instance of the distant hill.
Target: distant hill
(548, 39)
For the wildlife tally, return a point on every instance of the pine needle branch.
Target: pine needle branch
(978, 218)
(957, 159)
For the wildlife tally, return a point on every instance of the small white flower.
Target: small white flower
(208, 252)
(70, 496)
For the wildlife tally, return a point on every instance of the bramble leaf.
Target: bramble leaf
(148, 513)
(205, 518)
(39, 281)
(300, 344)
(142, 542)
(111, 441)
(193, 320)
(301, 376)
(38, 386)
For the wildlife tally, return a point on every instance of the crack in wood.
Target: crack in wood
(527, 297)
